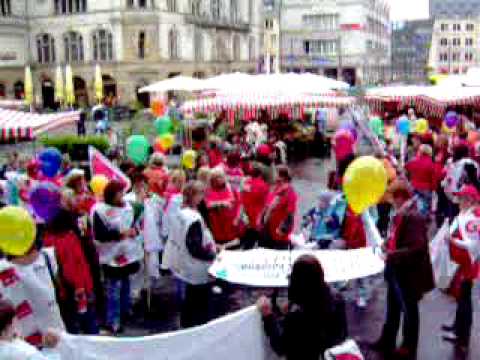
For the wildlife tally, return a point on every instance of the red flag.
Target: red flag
(100, 165)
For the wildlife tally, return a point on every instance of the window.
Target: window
(469, 42)
(70, 6)
(173, 44)
(236, 48)
(73, 43)
(199, 56)
(470, 27)
(141, 45)
(457, 27)
(444, 42)
(469, 57)
(456, 57)
(444, 27)
(5, 8)
(456, 42)
(196, 7)
(443, 57)
(172, 5)
(251, 49)
(233, 11)
(324, 47)
(3, 91)
(45, 49)
(215, 8)
(306, 47)
(102, 45)
(323, 22)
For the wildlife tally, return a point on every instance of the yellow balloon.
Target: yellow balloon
(167, 141)
(364, 183)
(98, 184)
(188, 159)
(447, 130)
(17, 231)
(421, 126)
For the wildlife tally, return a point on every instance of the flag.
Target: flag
(59, 88)
(28, 87)
(100, 165)
(98, 84)
(69, 89)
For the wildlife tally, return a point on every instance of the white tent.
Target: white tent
(178, 83)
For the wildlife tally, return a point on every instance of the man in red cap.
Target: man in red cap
(465, 251)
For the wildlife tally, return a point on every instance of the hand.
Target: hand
(50, 339)
(264, 305)
(130, 233)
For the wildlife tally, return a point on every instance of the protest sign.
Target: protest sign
(271, 268)
(234, 337)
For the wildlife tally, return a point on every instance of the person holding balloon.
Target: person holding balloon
(28, 276)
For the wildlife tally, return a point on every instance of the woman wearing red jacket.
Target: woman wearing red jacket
(280, 212)
(422, 173)
(465, 251)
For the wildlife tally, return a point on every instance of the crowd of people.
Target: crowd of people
(96, 252)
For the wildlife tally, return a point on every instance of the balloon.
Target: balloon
(447, 130)
(163, 125)
(98, 184)
(421, 126)
(157, 146)
(350, 127)
(158, 107)
(45, 199)
(403, 126)
(473, 137)
(376, 125)
(50, 161)
(17, 231)
(364, 183)
(167, 141)
(188, 159)
(137, 149)
(451, 119)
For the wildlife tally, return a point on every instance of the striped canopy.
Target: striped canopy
(18, 125)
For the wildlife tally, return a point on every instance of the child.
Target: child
(323, 223)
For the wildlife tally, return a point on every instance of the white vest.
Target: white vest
(172, 216)
(182, 264)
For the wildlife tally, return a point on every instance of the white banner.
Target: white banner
(234, 337)
(271, 268)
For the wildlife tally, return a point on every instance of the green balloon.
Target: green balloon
(163, 125)
(376, 125)
(138, 149)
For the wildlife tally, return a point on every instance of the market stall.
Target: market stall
(18, 125)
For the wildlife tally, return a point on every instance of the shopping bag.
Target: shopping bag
(348, 350)
(444, 268)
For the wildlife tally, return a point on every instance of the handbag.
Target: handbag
(348, 350)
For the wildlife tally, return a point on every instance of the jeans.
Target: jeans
(118, 300)
(400, 300)
(464, 316)
(85, 323)
(195, 306)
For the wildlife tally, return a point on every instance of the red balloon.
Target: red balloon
(157, 146)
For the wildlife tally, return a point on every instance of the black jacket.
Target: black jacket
(303, 336)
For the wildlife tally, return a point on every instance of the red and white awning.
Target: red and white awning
(18, 125)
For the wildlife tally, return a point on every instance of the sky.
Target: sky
(408, 9)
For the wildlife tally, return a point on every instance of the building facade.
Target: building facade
(455, 44)
(454, 8)
(136, 42)
(339, 38)
(411, 42)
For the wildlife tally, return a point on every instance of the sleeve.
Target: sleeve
(102, 232)
(195, 243)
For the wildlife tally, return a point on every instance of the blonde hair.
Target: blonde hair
(193, 188)
(178, 178)
(204, 175)
(425, 150)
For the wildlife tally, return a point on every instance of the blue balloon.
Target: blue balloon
(50, 162)
(403, 126)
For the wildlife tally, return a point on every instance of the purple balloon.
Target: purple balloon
(451, 119)
(350, 127)
(45, 199)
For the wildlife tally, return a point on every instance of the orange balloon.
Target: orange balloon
(473, 137)
(158, 107)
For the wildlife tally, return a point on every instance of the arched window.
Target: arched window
(215, 8)
(221, 49)
(46, 49)
(173, 44)
(233, 11)
(73, 43)
(251, 48)
(102, 45)
(3, 90)
(236, 48)
(172, 5)
(19, 90)
(196, 7)
(199, 54)
(141, 45)
(5, 8)
(70, 6)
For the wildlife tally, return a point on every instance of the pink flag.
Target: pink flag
(100, 165)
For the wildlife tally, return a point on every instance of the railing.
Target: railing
(222, 23)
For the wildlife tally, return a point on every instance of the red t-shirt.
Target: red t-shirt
(422, 173)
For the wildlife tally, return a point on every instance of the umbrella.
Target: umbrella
(69, 91)
(59, 89)
(177, 83)
(28, 87)
(98, 84)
